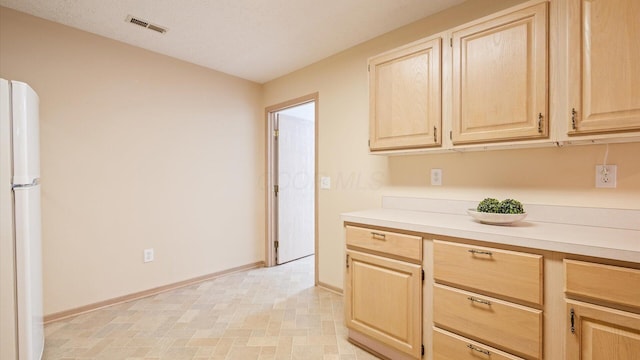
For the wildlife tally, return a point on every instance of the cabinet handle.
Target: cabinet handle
(573, 118)
(378, 236)
(540, 123)
(573, 327)
(480, 252)
(480, 350)
(479, 301)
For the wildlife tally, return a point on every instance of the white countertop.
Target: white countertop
(597, 241)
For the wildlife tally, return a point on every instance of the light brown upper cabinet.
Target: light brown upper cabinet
(604, 66)
(405, 97)
(500, 78)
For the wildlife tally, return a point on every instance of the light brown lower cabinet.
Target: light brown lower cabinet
(383, 301)
(603, 311)
(447, 346)
(486, 302)
(602, 333)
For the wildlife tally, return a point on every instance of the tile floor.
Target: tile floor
(267, 313)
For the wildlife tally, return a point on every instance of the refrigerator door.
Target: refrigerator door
(29, 272)
(26, 133)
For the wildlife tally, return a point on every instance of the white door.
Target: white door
(295, 180)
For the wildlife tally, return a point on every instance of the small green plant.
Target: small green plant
(489, 205)
(508, 206)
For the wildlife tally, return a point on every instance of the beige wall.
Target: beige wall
(562, 176)
(139, 150)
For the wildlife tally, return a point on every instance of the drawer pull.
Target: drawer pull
(475, 348)
(573, 325)
(378, 236)
(479, 301)
(480, 252)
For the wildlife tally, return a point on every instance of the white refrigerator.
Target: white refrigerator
(20, 169)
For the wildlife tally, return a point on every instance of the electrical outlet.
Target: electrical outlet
(606, 176)
(436, 177)
(148, 255)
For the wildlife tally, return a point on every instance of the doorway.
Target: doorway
(291, 180)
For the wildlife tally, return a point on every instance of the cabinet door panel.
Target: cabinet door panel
(604, 59)
(602, 333)
(383, 300)
(405, 99)
(500, 78)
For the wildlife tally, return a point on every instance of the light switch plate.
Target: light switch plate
(325, 182)
(148, 255)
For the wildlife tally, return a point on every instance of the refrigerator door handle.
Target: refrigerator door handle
(35, 182)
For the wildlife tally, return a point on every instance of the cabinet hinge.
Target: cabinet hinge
(450, 135)
(276, 189)
(369, 143)
(450, 42)
(276, 244)
(276, 133)
(368, 67)
(422, 350)
(423, 275)
(347, 262)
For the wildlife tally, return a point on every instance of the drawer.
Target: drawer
(513, 274)
(513, 328)
(447, 346)
(406, 246)
(612, 284)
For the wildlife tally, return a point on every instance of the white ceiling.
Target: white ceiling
(258, 40)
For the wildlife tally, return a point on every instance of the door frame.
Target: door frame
(271, 219)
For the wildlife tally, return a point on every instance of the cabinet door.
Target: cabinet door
(500, 78)
(604, 66)
(404, 97)
(601, 333)
(383, 300)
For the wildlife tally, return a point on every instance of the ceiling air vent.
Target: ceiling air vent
(145, 24)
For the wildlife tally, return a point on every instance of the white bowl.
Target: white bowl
(496, 219)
